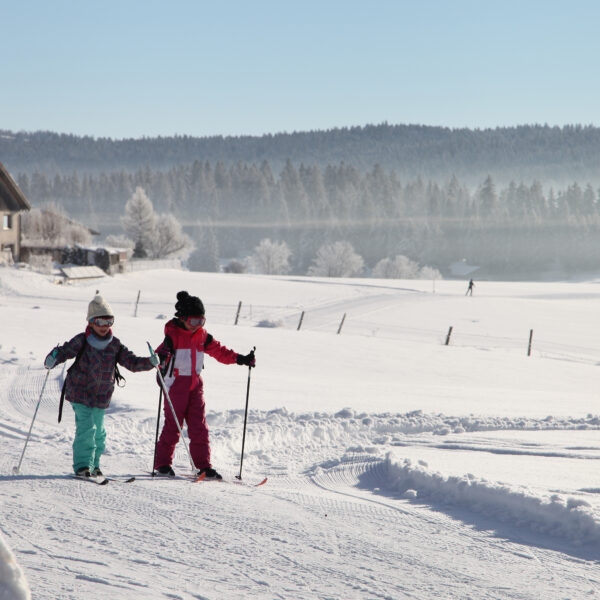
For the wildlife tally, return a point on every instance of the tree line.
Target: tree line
(519, 229)
(553, 155)
(301, 196)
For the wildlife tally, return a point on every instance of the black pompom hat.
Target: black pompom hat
(188, 306)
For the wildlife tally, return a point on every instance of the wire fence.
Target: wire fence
(321, 319)
(357, 319)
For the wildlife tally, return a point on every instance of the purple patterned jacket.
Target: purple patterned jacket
(92, 380)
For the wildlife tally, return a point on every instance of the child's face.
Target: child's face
(194, 323)
(101, 325)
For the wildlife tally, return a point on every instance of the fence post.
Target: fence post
(448, 336)
(342, 322)
(137, 302)
(530, 340)
(300, 321)
(237, 314)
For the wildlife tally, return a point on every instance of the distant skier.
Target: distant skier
(470, 288)
(182, 357)
(90, 382)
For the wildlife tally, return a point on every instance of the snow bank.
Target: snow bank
(570, 519)
(13, 585)
(350, 427)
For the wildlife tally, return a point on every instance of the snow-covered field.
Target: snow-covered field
(398, 467)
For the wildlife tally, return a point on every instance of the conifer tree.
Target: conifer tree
(138, 222)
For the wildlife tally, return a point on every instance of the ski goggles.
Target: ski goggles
(103, 321)
(196, 321)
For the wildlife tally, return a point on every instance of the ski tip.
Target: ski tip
(241, 482)
(94, 480)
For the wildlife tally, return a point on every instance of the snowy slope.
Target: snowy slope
(398, 467)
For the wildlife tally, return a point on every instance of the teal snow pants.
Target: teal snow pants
(90, 436)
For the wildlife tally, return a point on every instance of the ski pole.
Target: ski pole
(17, 469)
(166, 393)
(160, 394)
(245, 421)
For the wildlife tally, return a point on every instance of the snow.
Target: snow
(398, 467)
(13, 585)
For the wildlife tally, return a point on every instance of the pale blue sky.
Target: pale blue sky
(133, 68)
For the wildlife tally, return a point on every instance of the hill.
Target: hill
(553, 155)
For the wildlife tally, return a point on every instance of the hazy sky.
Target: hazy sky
(133, 68)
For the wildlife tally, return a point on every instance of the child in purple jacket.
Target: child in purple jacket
(90, 382)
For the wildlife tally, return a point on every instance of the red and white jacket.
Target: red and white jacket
(182, 352)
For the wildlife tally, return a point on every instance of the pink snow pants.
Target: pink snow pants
(188, 401)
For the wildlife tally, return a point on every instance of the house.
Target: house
(14, 248)
(12, 203)
(52, 237)
(66, 249)
(109, 260)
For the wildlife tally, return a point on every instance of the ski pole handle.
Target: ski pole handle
(253, 351)
(50, 361)
(154, 359)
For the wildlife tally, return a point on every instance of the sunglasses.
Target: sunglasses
(102, 321)
(196, 321)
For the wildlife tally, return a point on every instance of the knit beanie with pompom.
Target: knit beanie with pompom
(99, 307)
(188, 306)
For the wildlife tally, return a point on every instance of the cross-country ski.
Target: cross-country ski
(233, 480)
(96, 480)
(121, 479)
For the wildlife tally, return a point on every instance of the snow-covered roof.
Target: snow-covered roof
(76, 272)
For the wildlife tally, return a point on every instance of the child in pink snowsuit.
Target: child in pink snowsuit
(182, 357)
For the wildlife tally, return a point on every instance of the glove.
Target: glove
(50, 360)
(249, 359)
(154, 360)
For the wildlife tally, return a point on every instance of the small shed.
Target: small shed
(74, 272)
(110, 260)
(12, 204)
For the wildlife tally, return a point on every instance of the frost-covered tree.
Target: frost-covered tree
(270, 258)
(336, 260)
(139, 222)
(49, 225)
(168, 238)
(399, 267)
(402, 267)
(429, 273)
(120, 241)
(154, 236)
